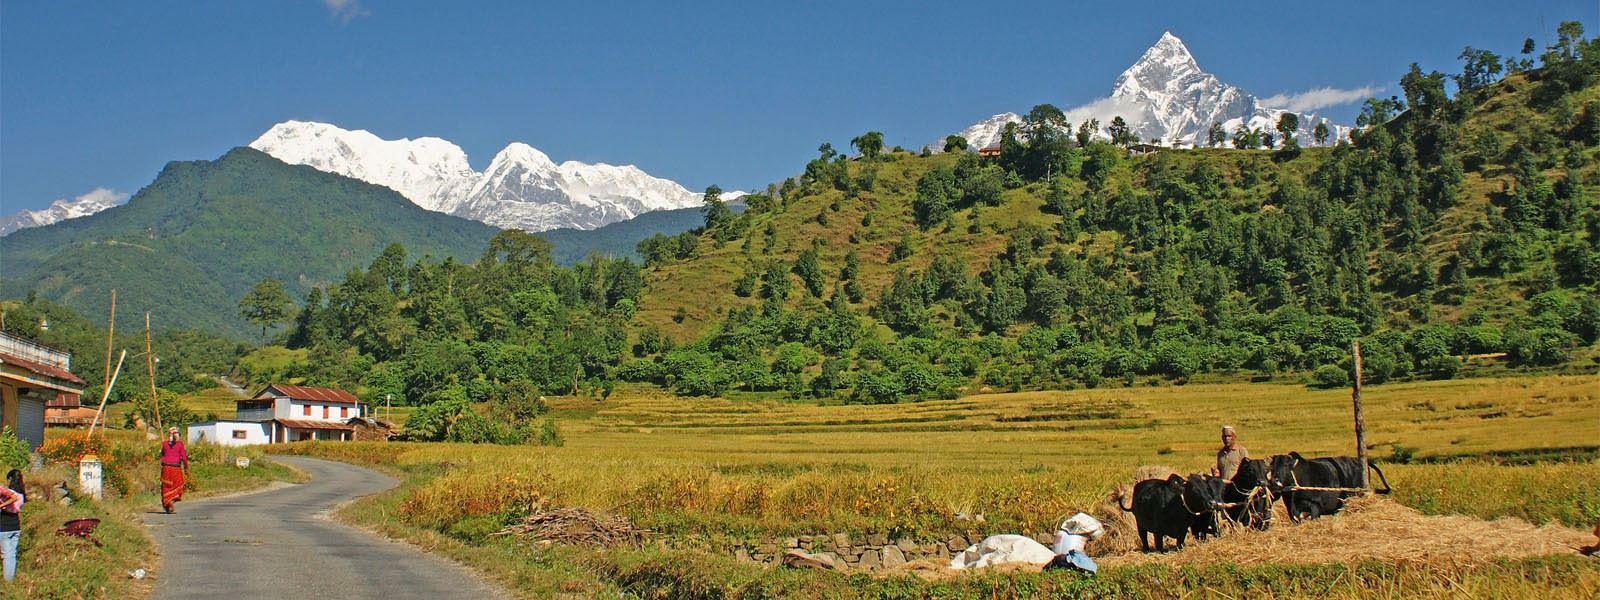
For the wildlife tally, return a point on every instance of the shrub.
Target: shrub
(13, 452)
(1330, 376)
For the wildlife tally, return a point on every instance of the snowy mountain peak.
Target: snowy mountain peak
(1166, 62)
(522, 187)
(61, 210)
(426, 170)
(522, 154)
(1165, 96)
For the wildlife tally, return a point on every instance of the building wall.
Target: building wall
(228, 433)
(287, 408)
(257, 414)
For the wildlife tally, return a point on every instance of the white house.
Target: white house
(32, 375)
(285, 413)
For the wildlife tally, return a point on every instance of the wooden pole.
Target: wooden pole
(110, 329)
(1361, 423)
(102, 410)
(150, 361)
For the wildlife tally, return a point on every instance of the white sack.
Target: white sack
(997, 549)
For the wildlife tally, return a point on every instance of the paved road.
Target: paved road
(282, 543)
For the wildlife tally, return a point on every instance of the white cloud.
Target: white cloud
(345, 10)
(1322, 97)
(103, 196)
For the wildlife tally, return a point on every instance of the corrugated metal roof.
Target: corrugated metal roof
(41, 368)
(301, 424)
(314, 394)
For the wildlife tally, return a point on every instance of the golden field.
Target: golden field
(724, 470)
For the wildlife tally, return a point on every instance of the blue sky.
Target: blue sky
(100, 95)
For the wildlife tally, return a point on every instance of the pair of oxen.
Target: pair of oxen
(1177, 507)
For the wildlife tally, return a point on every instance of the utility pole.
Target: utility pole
(1361, 424)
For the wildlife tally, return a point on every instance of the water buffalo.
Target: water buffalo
(1201, 495)
(1248, 500)
(1291, 473)
(1158, 510)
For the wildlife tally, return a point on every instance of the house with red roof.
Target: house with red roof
(33, 375)
(285, 413)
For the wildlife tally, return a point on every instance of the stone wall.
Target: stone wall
(869, 552)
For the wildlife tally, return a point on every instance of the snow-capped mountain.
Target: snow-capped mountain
(522, 187)
(431, 172)
(61, 210)
(1166, 96)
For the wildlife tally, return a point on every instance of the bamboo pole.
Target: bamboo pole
(110, 329)
(150, 361)
(102, 410)
(1361, 423)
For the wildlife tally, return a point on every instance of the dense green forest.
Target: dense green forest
(1452, 232)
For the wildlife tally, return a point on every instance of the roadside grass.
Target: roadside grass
(719, 471)
(54, 566)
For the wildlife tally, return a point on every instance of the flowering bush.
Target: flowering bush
(70, 447)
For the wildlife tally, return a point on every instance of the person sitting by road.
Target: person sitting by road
(1230, 456)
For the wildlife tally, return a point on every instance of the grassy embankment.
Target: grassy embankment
(718, 471)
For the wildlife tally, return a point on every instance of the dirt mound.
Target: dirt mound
(1370, 528)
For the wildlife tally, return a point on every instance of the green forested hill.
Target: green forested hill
(192, 243)
(1451, 228)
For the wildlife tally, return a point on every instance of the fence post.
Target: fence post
(1361, 424)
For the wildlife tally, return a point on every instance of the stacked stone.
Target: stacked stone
(875, 552)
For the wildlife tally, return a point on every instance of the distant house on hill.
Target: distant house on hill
(286, 413)
(1137, 149)
(990, 151)
(33, 375)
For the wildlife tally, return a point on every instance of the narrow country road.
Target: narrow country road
(283, 543)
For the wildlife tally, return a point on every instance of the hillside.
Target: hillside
(619, 240)
(1460, 227)
(192, 243)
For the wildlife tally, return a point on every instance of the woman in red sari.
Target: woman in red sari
(174, 469)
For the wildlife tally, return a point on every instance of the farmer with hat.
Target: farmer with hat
(174, 469)
(1231, 455)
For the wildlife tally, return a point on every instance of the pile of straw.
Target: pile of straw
(1372, 528)
(577, 527)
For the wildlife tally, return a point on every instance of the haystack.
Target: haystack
(1372, 528)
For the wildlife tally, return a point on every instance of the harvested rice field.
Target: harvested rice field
(1496, 484)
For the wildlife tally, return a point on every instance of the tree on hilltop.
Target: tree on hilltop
(870, 144)
(266, 305)
(715, 210)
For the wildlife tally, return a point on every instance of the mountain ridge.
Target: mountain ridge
(522, 187)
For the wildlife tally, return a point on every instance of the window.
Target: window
(344, 412)
(307, 410)
(239, 435)
(324, 411)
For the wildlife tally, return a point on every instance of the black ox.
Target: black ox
(1291, 474)
(1174, 507)
(1246, 498)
